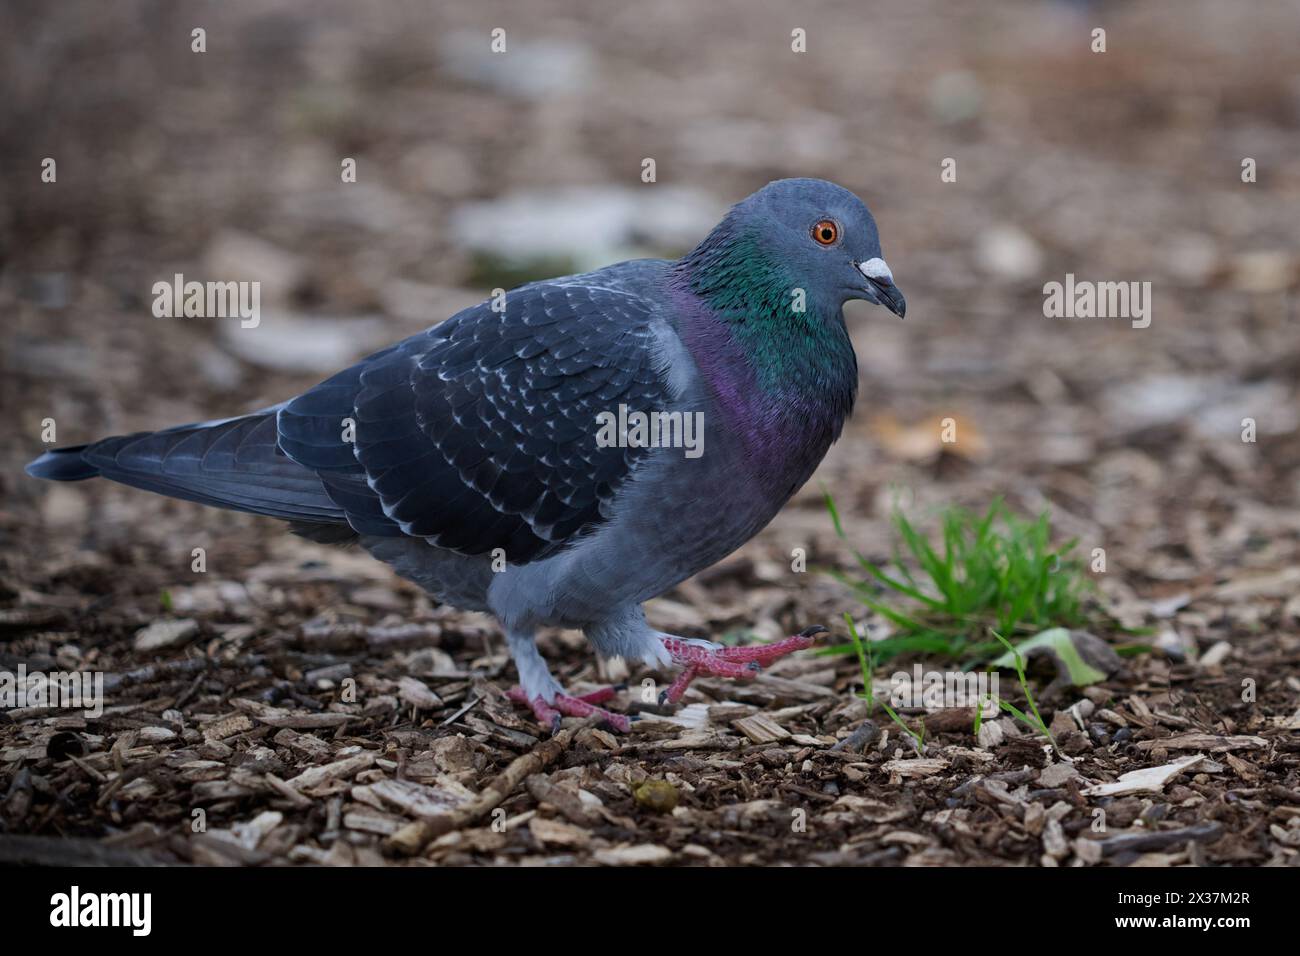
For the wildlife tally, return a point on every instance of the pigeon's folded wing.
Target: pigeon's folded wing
(482, 432)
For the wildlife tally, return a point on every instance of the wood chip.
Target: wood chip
(286, 791)
(558, 832)
(225, 727)
(1210, 742)
(916, 767)
(304, 721)
(1139, 841)
(372, 821)
(416, 693)
(1146, 779)
(1216, 655)
(761, 729)
(646, 854)
(338, 770)
(1055, 775)
(162, 634)
(418, 800)
(252, 832)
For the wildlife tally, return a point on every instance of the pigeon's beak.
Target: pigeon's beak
(881, 288)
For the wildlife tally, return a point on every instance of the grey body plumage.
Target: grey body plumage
(466, 457)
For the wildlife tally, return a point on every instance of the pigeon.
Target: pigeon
(560, 454)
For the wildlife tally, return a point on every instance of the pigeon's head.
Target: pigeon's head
(797, 236)
(828, 238)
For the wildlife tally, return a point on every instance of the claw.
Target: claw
(674, 691)
(549, 715)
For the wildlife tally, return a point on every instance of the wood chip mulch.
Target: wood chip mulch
(246, 742)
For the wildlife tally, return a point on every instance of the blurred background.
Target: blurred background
(477, 170)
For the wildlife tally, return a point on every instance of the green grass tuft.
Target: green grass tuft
(986, 575)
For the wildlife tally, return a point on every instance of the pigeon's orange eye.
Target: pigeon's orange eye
(826, 232)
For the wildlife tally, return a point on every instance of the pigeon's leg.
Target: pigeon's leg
(544, 695)
(534, 676)
(738, 663)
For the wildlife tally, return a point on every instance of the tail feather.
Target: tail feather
(234, 464)
(63, 464)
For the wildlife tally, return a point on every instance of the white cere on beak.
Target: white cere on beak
(877, 269)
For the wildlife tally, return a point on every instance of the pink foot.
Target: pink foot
(738, 663)
(565, 706)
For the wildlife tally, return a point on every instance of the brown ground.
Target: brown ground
(1121, 166)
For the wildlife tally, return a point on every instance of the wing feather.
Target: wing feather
(481, 433)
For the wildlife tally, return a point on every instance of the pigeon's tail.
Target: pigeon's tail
(63, 464)
(235, 464)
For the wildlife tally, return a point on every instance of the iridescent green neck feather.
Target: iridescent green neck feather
(793, 339)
